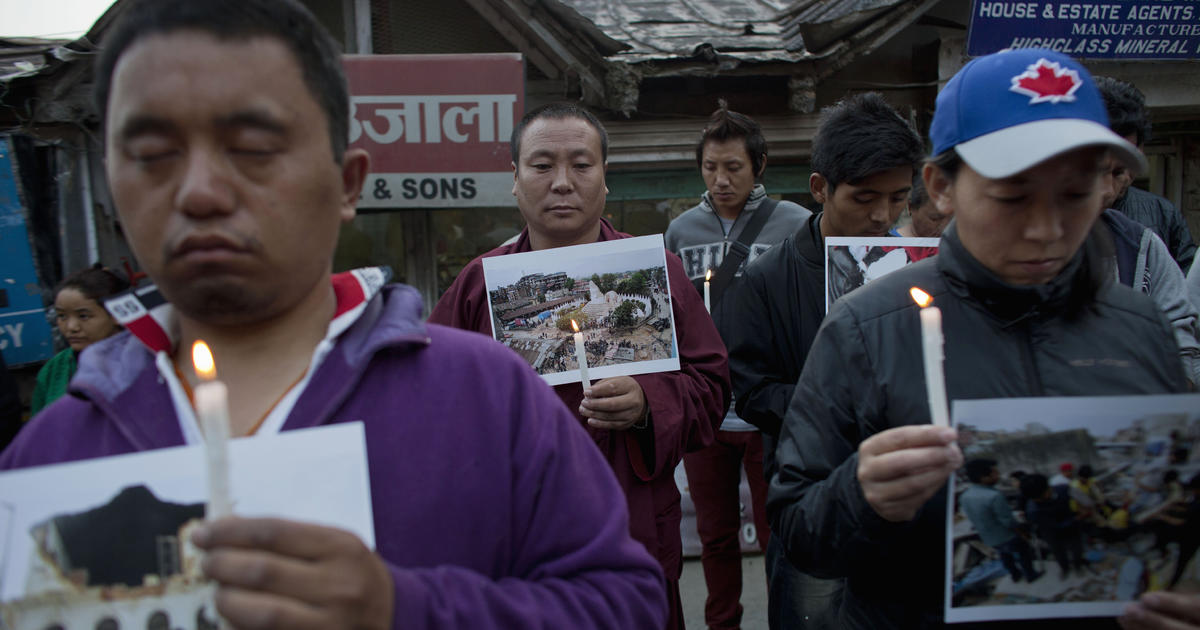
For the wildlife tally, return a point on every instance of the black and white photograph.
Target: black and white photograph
(852, 261)
(1071, 507)
(112, 541)
(609, 301)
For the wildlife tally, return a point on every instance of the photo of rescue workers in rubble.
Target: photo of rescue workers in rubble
(1093, 500)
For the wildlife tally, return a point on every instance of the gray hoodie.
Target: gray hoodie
(1193, 283)
(1156, 276)
(699, 238)
(1153, 271)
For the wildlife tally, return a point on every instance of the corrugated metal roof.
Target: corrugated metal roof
(750, 30)
(816, 24)
(25, 56)
(817, 11)
(655, 29)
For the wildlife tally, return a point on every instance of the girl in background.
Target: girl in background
(82, 321)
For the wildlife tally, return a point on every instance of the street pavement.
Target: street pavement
(754, 593)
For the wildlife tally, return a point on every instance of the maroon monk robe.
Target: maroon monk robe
(686, 407)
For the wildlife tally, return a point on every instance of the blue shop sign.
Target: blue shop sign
(1122, 29)
(24, 331)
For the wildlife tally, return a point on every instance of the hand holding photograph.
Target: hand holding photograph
(105, 543)
(1071, 507)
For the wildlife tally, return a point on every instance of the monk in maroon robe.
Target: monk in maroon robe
(642, 424)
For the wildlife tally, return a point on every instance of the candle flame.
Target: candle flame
(202, 359)
(922, 298)
(708, 275)
(574, 325)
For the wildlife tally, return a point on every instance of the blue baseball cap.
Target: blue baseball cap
(1010, 110)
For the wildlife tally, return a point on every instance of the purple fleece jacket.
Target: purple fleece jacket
(493, 509)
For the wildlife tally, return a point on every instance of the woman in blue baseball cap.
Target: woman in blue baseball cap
(1018, 141)
(1028, 309)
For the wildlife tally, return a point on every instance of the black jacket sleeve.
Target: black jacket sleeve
(1180, 242)
(815, 503)
(761, 383)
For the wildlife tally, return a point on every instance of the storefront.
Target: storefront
(652, 87)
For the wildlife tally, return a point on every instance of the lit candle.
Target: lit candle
(581, 356)
(708, 291)
(212, 410)
(932, 346)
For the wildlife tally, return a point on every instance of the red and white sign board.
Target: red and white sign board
(437, 127)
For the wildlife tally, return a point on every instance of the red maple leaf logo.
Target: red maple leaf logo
(1047, 81)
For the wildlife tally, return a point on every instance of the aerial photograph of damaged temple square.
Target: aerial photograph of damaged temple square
(1089, 501)
(619, 301)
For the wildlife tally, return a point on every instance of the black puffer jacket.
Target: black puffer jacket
(1160, 215)
(769, 323)
(864, 375)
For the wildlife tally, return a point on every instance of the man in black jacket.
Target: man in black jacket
(864, 157)
(1126, 108)
(734, 215)
(1049, 511)
(1028, 310)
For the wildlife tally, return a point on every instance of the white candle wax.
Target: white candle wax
(212, 410)
(935, 376)
(707, 296)
(581, 357)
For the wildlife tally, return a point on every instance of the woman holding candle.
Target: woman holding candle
(1026, 309)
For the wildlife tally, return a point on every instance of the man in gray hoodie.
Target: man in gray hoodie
(732, 156)
(1127, 118)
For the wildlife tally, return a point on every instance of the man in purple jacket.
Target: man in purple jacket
(225, 131)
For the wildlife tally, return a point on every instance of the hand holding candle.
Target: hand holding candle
(581, 356)
(708, 291)
(932, 347)
(212, 411)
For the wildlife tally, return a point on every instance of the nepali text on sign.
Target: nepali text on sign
(437, 127)
(479, 118)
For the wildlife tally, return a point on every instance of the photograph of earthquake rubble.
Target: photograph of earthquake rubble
(105, 543)
(614, 293)
(852, 261)
(1070, 507)
(126, 561)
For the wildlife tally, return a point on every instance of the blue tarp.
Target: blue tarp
(24, 330)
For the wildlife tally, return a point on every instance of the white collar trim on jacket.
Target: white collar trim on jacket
(153, 320)
(757, 194)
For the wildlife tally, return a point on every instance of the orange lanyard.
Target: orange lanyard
(187, 388)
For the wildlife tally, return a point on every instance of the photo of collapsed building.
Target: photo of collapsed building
(1096, 504)
(624, 314)
(851, 262)
(126, 563)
